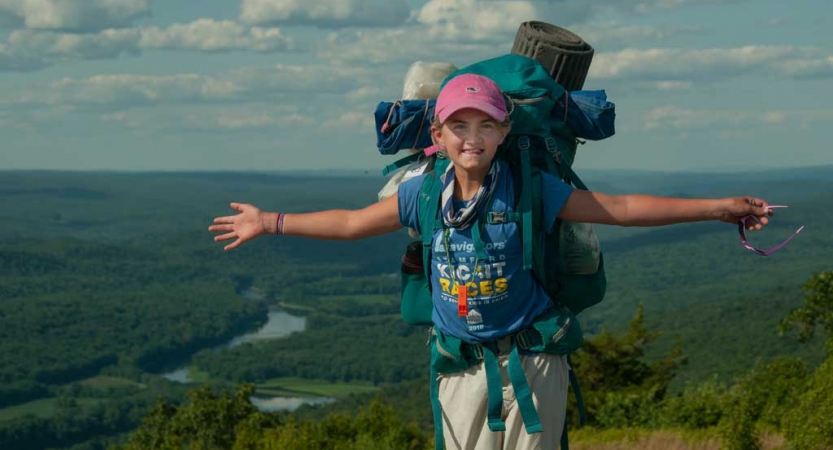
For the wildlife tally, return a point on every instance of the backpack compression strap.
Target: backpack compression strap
(525, 204)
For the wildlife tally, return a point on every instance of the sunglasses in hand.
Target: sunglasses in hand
(742, 225)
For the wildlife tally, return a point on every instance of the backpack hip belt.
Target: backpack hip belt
(555, 332)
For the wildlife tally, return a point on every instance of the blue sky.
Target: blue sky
(292, 84)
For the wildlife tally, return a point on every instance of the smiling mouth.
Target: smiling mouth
(472, 151)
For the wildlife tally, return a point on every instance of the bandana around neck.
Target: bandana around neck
(464, 217)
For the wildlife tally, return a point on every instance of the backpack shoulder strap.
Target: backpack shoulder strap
(429, 207)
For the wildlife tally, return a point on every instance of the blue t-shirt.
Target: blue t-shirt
(503, 298)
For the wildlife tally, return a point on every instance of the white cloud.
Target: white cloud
(472, 20)
(14, 61)
(285, 84)
(687, 64)
(33, 49)
(212, 36)
(364, 93)
(124, 118)
(672, 85)
(774, 117)
(477, 29)
(325, 13)
(354, 120)
(260, 120)
(817, 67)
(55, 46)
(73, 15)
(611, 35)
(401, 45)
(643, 6)
(673, 117)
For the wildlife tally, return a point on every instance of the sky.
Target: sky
(275, 85)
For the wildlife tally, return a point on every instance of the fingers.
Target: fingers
(226, 219)
(759, 224)
(757, 207)
(233, 245)
(225, 237)
(228, 227)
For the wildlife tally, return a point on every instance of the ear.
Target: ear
(436, 134)
(504, 132)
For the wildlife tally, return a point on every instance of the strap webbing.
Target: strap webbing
(552, 149)
(479, 248)
(575, 179)
(538, 266)
(526, 201)
(494, 388)
(582, 412)
(436, 409)
(401, 162)
(522, 393)
(429, 219)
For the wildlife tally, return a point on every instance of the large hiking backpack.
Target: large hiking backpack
(564, 261)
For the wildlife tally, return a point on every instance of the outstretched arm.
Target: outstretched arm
(376, 219)
(647, 210)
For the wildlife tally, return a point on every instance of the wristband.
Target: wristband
(279, 228)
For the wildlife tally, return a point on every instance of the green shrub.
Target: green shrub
(629, 410)
(700, 406)
(737, 427)
(809, 426)
(773, 389)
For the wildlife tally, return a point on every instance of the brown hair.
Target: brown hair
(507, 122)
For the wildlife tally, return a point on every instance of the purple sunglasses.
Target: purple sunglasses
(742, 230)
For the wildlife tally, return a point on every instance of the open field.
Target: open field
(299, 387)
(667, 439)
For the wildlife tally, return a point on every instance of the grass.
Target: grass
(43, 408)
(299, 387)
(105, 382)
(295, 307)
(666, 439)
(197, 375)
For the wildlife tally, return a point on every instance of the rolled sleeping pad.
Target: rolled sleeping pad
(565, 55)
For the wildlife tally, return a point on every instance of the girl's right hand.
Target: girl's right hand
(247, 225)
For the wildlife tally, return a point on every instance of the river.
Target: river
(279, 324)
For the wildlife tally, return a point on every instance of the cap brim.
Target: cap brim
(472, 103)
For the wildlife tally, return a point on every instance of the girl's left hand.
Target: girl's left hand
(736, 208)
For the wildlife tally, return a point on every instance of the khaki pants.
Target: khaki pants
(464, 400)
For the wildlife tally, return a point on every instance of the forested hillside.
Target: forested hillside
(109, 279)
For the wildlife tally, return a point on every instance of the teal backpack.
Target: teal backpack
(539, 142)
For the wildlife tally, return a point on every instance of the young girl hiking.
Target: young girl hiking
(470, 122)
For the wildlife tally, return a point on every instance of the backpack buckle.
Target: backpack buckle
(523, 142)
(552, 148)
(496, 217)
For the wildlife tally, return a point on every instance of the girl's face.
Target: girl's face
(470, 138)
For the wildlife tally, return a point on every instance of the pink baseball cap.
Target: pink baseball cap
(470, 91)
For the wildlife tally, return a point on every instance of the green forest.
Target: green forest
(110, 280)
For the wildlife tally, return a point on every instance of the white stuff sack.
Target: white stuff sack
(423, 79)
(402, 175)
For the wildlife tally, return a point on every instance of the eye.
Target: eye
(460, 126)
(488, 126)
